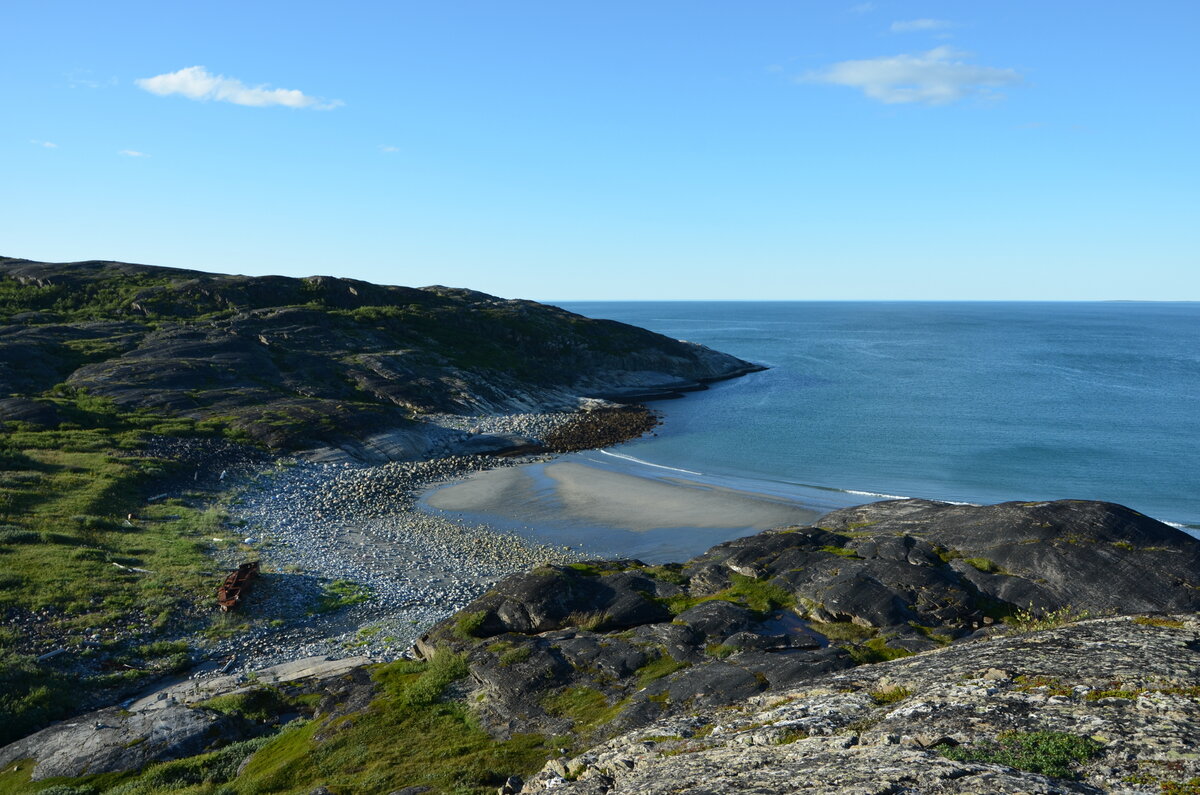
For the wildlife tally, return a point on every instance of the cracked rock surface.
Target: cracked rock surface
(1127, 685)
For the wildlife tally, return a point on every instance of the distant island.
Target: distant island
(149, 414)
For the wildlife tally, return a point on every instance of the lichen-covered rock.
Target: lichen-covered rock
(173, 723)
(1101, 706)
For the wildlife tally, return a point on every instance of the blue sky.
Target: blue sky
(1003, 149)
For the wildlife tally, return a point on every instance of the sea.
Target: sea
(977, 402)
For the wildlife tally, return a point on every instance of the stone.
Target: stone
(827, 735)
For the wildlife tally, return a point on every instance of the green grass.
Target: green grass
(760, 595)
(884, 696)
(843, 631)
(408, 737)
(515, 656)
(720, 650)
(1053, 754)
(667, 572)
(1158, 621)
(875, 650)
(929, 633)
(656, 669)
(341, 593)
(984, 565)
(259, 704)
(863, 643)
(841, 552)
(64, 498)
(587, 708)
(1034, 619)
(591, 621)
(468, 625)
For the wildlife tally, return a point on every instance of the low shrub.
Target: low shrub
(468, 625)
(1033, 619)
(1050, 753)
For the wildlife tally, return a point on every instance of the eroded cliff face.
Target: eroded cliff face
(1105, 705)
(304, 362)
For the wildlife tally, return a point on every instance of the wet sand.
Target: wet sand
(608, 511)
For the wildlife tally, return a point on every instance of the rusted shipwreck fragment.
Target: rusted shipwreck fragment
(236, 584)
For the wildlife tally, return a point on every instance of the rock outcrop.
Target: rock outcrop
(762, 613)
(318, 362)
(1106, 705)
(176, 722)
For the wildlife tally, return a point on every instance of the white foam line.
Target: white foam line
(647, 463)
(877, 494)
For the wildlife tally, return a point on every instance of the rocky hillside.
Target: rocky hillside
(905, 646)
(296, 363)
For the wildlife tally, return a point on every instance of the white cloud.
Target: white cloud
(194, 82)
(389, 149)
(937, 77)
(132, 153)
(45, 144)
(862, 8)
(917, 25)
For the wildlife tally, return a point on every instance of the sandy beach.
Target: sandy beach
(613, 511)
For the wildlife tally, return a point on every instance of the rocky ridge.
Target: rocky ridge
(321, 363)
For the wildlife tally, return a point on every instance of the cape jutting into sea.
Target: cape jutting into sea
(963, 401)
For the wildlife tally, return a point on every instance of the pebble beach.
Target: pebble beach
(357, 529)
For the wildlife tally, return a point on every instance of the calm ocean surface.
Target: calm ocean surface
(974, 402)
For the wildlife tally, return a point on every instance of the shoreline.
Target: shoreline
(611, 509)
(424, 538)
(316, 523)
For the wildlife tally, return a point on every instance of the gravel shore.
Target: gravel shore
(312, 525)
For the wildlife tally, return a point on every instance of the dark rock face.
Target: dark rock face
(604, 631)
(1095, 556)
(42, 415)
(304, 362)
(556, 596)
(763, 612)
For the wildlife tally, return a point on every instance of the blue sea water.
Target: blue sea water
(973, 402)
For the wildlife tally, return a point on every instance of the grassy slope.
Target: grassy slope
(409, 736)
(68, 556)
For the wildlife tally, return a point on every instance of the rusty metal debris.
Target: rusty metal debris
(229, 595)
